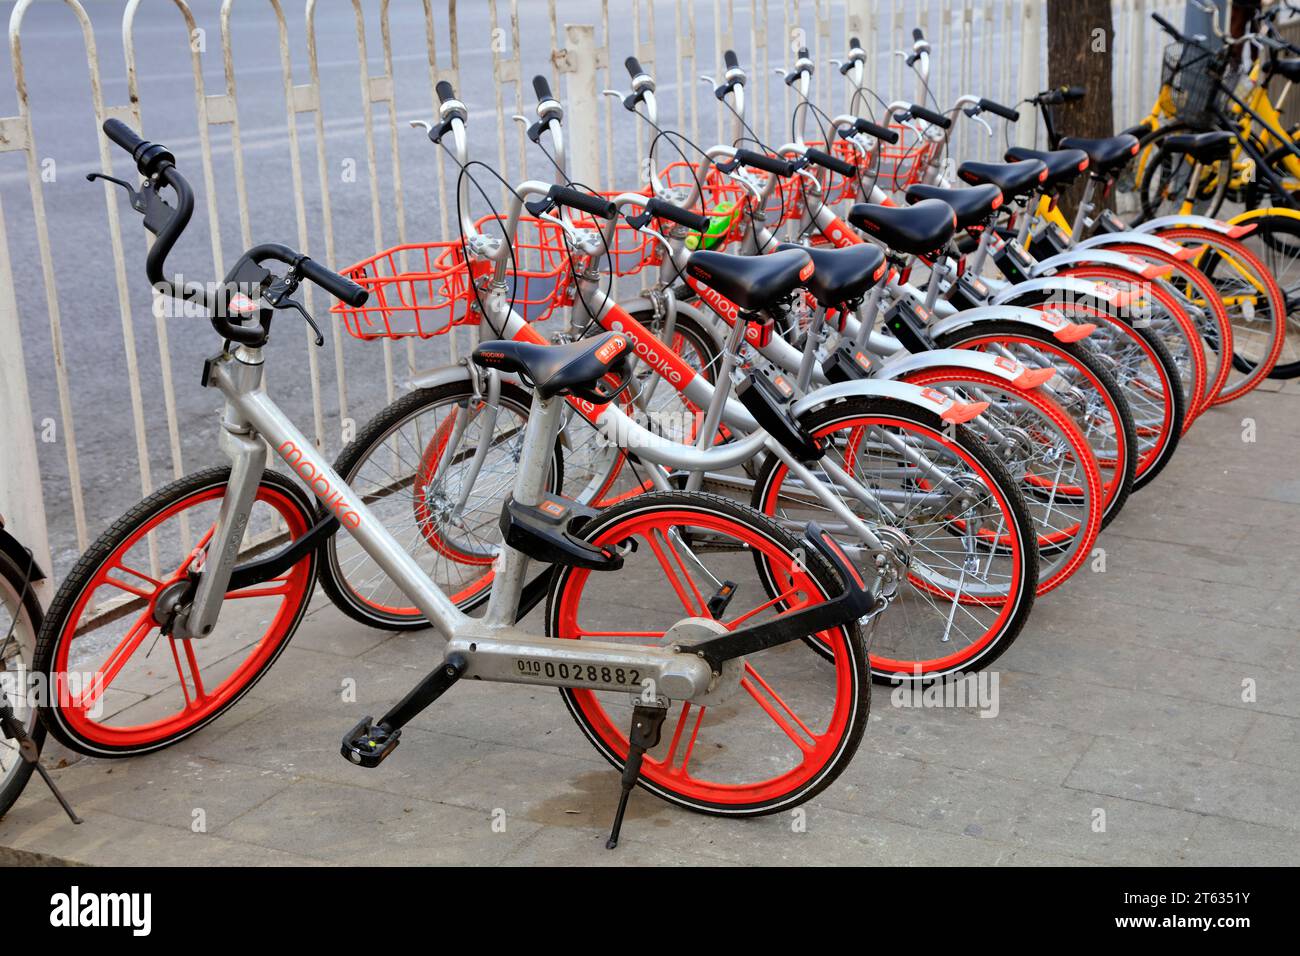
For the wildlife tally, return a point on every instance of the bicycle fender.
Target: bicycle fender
(443, 375)
(1134, 239)
(1046, 287)
(19, 555)
(1009, 370)
(1049, 320)
(1120, 260)
(929, 400)
(1195, 222)
(1251, 214)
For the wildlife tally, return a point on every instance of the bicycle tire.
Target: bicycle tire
(850, 677)
(63, 621)
(14, 578)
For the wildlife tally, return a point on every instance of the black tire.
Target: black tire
(829, 416)
(1169, 370)
(1081, 358)
(828, 581)
(370, 439)
(89, 564)
(14, 777)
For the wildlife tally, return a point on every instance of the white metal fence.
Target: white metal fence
(292, 122)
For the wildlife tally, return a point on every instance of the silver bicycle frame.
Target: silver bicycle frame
(492, 647)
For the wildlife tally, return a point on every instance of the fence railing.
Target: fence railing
(293, 123)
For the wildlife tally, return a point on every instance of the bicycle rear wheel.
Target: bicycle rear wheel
(1048, 457)
(974, 563)
(410, 465)
(791, 721)
(1086, 390)
(1255, 304)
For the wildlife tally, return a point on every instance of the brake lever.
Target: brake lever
(277, 297)
(137, 197)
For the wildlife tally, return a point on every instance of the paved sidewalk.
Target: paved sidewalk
(1127, 731)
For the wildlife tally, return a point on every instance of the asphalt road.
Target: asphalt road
(65, 134)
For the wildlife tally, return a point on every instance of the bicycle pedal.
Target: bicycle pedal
(367, 745)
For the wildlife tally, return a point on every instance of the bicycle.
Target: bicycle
(434, 450)
(21, 732)
(707, 661)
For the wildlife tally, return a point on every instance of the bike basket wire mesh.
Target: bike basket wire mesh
(418, 289)
(1194, 77)
(424, 289)
(902, 164)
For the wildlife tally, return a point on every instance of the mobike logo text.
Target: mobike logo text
(653, 353)
(319, 484)
(718, 302)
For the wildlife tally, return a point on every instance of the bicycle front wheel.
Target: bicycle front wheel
(791, 721)
(117, 684)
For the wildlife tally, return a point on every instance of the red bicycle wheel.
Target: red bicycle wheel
(1176, 330)
(786, 722)
(1059, 477)
(118, 685)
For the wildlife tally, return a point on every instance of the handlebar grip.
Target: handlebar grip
(802, 54)
(1166, 26)
(341, 287)
(917, 35)
(883, 133)
(444, 91)
(1006, 112)
(149, 157)
(633, 67)
(674, 213)
(930, 116)
(1072, 93)
(542, 87)
(730, 59)
(826, 161)
(855, 43)
(769, 164)
(122, 135)
(597, 206)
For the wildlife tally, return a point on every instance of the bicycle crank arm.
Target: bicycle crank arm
(512, 657)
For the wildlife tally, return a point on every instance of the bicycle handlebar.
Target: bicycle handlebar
(597, 206)
(917, 35)
(633, 67)
(542, 87)
(1168, 27)
(1006, 112)
(825, 160)
(883, 133)
(674, 213)
(930, 116)
(768, 164)
(730, 59)
(157, 163)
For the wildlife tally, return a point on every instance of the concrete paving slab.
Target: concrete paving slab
(1123, 695)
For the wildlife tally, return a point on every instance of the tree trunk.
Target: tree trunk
(1080, 38)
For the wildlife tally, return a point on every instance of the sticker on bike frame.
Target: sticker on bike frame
(627, 678)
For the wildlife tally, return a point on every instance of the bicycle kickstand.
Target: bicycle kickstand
(13, 728)
(647, 723)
